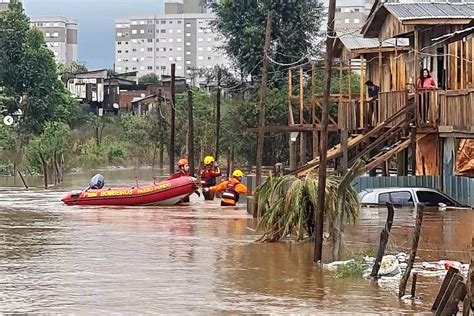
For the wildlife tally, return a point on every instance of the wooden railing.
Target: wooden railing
(456, 108)
(427, 111)
(389, 104)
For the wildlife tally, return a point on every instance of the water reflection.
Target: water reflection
(197, 258)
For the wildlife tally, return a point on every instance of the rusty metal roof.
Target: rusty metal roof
(431, 10)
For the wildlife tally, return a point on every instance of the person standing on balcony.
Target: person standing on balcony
(423, 85)
(373, 93)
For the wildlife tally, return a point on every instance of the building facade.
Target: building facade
(350, 15)
(150, 44)
(60, 35)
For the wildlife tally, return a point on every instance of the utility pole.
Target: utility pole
(318, 241)
(218, 111)
(261, 119)
(173, 117)
(190, 132)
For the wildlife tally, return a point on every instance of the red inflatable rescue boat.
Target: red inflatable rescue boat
(165, 193)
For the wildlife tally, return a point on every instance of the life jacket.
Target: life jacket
(208, 178)
(230, 195)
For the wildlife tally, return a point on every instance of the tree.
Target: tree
(49, 150)
(242, 24)
(150, 78)
(67, 70)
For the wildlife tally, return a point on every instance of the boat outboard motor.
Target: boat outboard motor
(97, 182)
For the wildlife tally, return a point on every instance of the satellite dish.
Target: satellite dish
(18, 112)
(115, 105)
(8, 120)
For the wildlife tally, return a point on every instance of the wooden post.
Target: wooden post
(318, 243)
(384, 236)
(302, 134)
(191, 133)
(462, 64)
(261, 119)
(458, 294)
(362, 94)
(455, 69)
(173, 118)
(218, 111)
(416, 68)
(447, 279)
(23, 179)
(313, 112)
(344, 129)
(414, 247)
(291, 121)
(413, 150)
(413, 285)
(447, 294)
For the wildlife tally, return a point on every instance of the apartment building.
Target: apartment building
(60, 35)
(350, 14)
(150, 44)
(3, 6)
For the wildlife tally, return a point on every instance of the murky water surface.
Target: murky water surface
(195, 259)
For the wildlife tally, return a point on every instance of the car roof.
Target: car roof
(393, 189)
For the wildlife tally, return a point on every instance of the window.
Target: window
(119, 43)
(142, 22)
(200, 30)
(119, 68)
(170, 49)
(142, 58)
(209, 49)
(188, 43)
(188, 24)
(163, 22)
(162, 31)
(170, 58)
(150, 49)
(430, 198)
(356, 21)
(149, 22)
(179, 67)
(134, 22)
(134, 41)
(170, 31)
(384, 198)
(118, 34)
(142, 31)
(200, 49)
(150, 67)
(163, 67)
(188, 62)
(188, 71)
(347, 21)
(180, 22)
(356, 10)
(179, 31)
(170, 40)
(134, 68)
(119, 60)
(188, 34)
(142, 67)
(200, 39)
(179, 49)
(170, 22)
(179, 40)
(200, 57)
(150, 40)
(163, 49)
(188, 52)
(134, 50)
(56, 54)
(142, 49)
(126, 52)
(401, 198)
(149, 31)
(209, 39)
(126, 43)
(179, 58)
(134, 59)
(126, 68)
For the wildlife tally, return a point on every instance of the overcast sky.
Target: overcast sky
(96, 22)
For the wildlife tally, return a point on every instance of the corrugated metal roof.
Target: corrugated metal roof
(418, 11)
(357, 41)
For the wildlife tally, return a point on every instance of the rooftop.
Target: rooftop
(430, 10)
(357, 41)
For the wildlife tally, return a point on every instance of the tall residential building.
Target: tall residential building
(150, 44)
(350, 14)
(3, 6)
(60, 35)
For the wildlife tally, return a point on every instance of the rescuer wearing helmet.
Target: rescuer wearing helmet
(209, 174)
(183, 169)
(231, 190)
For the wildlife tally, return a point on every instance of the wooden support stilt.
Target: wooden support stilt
(414, 247)
(302, 134)
(384, 236)
(313, 111)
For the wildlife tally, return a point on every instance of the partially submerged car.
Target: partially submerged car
(407, 197)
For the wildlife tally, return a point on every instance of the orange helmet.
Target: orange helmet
(182, 162)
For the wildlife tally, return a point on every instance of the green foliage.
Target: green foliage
(136, 135)
(109, 152)
(150, 78)
(54, 142)
(242, 23)
(288, 203)
(351, 270)
(67, 70)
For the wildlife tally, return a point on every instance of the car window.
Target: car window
(402, 198)
(430, 198)
(384, 198)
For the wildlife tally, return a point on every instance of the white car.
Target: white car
(406, 197)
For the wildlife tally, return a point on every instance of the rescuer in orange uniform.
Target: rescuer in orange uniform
(208, 176)
(231, 190)
(183, 169)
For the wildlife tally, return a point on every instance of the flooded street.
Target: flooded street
(189, 259)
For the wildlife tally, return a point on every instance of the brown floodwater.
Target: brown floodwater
(194, 259)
